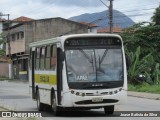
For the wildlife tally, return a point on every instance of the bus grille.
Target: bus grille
(90, 101)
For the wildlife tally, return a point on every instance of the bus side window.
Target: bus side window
(53, 57)
(42, 57)
(47, 58)
(37, 57)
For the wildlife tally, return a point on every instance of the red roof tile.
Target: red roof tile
(23, 19)
(89, 24)
(107, 30)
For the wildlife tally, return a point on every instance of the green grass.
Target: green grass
(4, 78)
(145, 87)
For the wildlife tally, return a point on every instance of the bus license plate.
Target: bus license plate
(97, 99)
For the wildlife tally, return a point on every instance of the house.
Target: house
(28, 30)
(4, 24)
(22, 19)
(91, 27)
(1, 24)
(4, 63)
(107, 30)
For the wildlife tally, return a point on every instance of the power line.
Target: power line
(138, 10)
(40, 8)
(118, 16)
(139, 6)
(115, 16)
(51, 3)
(103, 3)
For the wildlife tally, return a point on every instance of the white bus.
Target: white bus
(78, 71)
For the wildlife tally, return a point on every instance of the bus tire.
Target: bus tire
(40, 106)
(54, 106)
(109, 110)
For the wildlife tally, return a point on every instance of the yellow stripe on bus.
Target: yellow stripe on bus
(46, 79)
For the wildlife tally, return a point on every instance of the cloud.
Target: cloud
(40, 9)
(137, 11)
(69, 3)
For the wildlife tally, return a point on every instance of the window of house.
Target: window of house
(48, 55)
(13, 37)
(42, 58)
(37, 58)
(53, 57)
(17, 36)
(22, 35)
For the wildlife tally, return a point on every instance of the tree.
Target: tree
(156, 17)
(147, 37)
(2, 52)
(142, 46)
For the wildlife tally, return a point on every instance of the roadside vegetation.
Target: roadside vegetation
(142, 46)
(2, 42)
(144, 87)
(2, 78)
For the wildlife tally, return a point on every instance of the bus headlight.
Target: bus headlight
(72, 91)
(77, 93)
(120, 89)
(83, 94)
(115, 91)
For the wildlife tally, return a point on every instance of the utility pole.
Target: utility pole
(110, 7)
(111, 16)
(8, 38)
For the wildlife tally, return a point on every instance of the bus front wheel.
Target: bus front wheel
(40, 105)
(109, 110)
(54, 106)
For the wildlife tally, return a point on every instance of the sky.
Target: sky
(137, 10)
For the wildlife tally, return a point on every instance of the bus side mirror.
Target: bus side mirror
(128, 62)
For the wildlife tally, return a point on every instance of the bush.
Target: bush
(144, 87)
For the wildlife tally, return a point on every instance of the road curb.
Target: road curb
(144, 95)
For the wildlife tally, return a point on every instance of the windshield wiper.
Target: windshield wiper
(91, 61)
(104, 55)
(88, 58)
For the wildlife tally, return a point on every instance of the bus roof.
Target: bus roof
(62, 38)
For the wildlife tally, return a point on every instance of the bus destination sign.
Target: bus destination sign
(98, 41)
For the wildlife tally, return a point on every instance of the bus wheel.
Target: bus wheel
(54, 106)
(109, 110)
(40, 105)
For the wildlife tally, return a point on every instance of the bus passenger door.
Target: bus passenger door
(59, 73)
(33, 72)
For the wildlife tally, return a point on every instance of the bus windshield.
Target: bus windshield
(94, 65)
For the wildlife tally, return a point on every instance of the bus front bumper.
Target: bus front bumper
(73, 100)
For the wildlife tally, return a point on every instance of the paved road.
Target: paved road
(15, 96)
